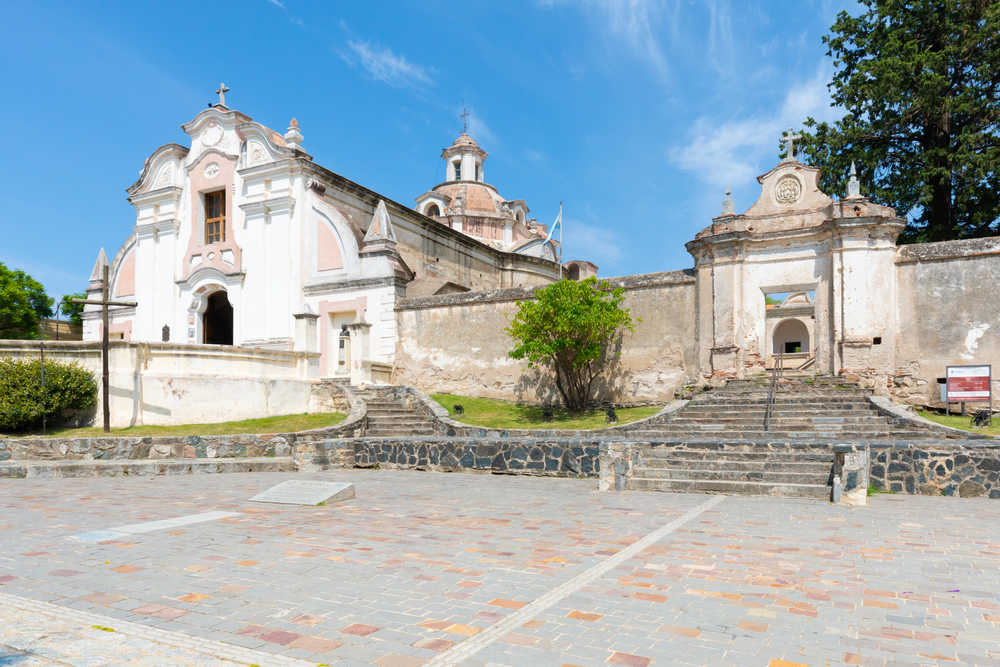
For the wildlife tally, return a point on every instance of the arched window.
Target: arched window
(574, 272)
(432, 211)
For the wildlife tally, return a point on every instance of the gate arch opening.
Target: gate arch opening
(790, 337)
(217, 322)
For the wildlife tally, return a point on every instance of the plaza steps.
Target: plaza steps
(801, 470)
(49, 469)
(820, 408)
(717, 442)
(391, 412)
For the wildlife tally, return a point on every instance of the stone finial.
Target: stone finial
(728, 207)
(853, 185)
(293, 138)
(380, 227)
(98, 273)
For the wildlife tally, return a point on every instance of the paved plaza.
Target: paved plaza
(434, 568)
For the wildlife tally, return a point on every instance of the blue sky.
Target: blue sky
(636, 113)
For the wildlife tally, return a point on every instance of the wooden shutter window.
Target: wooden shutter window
(215, 216)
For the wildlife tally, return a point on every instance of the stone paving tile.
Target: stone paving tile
(421, 562)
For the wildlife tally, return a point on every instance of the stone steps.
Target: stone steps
(733, 464)
(143, 467)
(769, 476)
(731, 454)
(788, 490)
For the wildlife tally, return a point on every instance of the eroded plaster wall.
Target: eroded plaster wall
(456, 343)
(949, 313)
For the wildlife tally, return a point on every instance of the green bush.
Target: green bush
(68, 389)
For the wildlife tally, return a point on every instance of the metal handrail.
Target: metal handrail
(775, 374)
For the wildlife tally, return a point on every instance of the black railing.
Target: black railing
(775, 375)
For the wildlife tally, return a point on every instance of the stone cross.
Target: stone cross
(465, 118)
(790, 139)
(221, 92)
(104, 302)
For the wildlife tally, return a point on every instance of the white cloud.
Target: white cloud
(277, 3)
(590, 242)
(730, 152)
(634, 22)
(385, 66)
(480, 131)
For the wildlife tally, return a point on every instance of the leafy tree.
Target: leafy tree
(23, 303)
(569, 328)
(74, 311)
(920, 81)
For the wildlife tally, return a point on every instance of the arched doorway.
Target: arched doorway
(217, 322)
(790, 337)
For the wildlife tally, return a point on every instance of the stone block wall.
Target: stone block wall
(555, 457)
(969, 469)
(456, 343)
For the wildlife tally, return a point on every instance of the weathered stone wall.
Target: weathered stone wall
(949, 313)
(951, 469)
(456, 344)
(563, 457)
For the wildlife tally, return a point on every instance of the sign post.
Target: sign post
(969, 384)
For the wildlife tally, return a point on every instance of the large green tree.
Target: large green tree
(74, 311)
(920, 82)
(23, 303)
(569, 329)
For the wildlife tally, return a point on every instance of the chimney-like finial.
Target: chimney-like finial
(293, 137)
(853, 185)
(728, 207)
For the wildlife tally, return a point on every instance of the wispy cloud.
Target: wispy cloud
(277, 3)
(591, 242)
(382, 64)
(729, 152)
(636, 23)
(480, 131)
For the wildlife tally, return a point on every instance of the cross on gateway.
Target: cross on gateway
(221, 92)
(790, 139)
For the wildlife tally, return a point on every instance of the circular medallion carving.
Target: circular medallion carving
(212, 170)
(212, 134)
(788, 190)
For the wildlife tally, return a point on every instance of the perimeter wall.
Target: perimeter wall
(456, 343)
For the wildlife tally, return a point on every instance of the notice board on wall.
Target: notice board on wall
(967, 384)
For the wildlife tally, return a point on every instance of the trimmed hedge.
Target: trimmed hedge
(68, 389)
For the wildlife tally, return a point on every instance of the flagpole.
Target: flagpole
(561, 223)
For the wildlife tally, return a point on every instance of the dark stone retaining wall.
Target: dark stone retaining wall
(966, 469)
(555, 457)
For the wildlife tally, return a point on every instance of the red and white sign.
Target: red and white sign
(968, 383)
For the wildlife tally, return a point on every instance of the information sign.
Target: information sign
(967, 384)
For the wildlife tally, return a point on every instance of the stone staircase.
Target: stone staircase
(813, 408)
(717, 443)
(735, 467)
(394, 412)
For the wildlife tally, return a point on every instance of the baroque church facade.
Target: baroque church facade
(242, 239)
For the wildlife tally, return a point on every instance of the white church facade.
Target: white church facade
(242, 239)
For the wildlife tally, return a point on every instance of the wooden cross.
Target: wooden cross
(465, 118)
(104, 303)
(221, 92)
(790, 139)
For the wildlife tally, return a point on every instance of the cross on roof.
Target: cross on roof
(465, 118)
(221, 92)
(790, 139)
